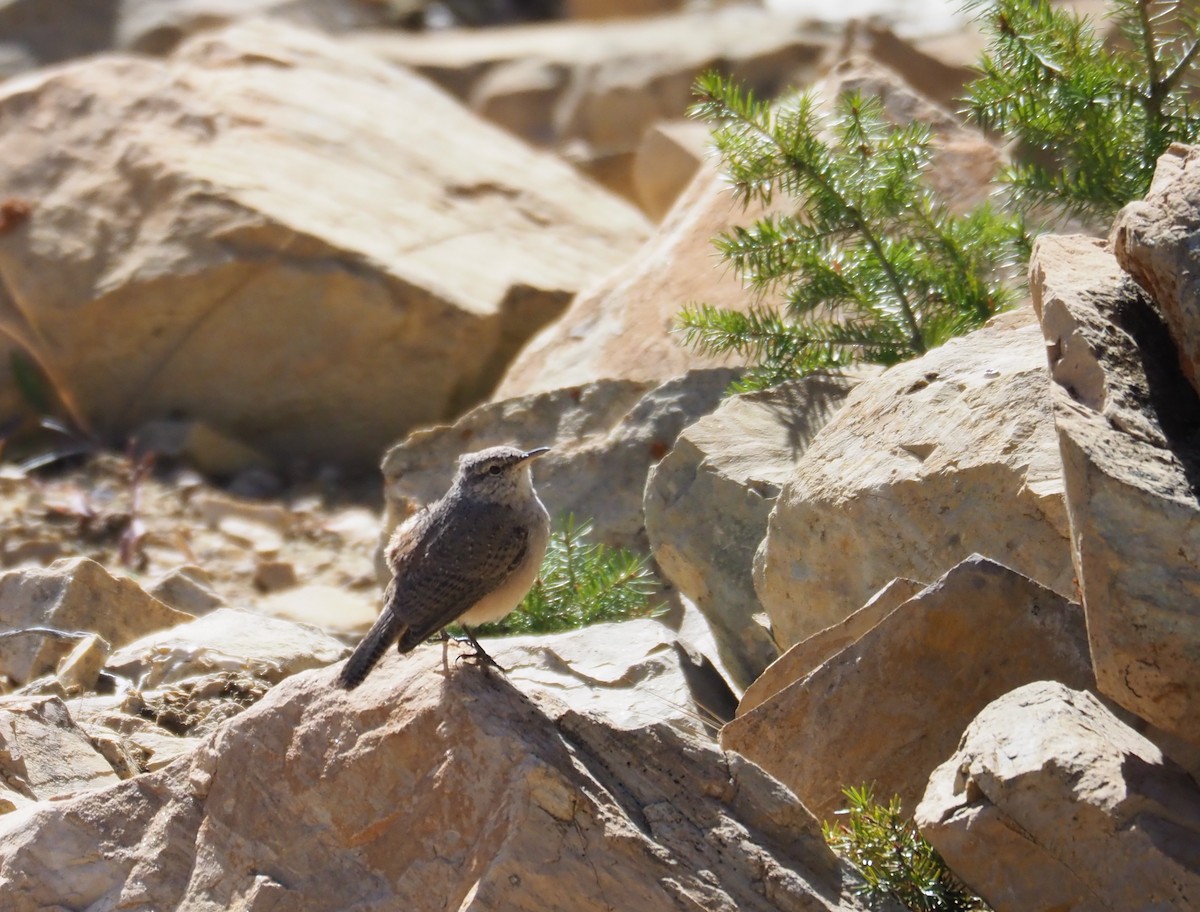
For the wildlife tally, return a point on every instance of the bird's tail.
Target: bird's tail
(368, 653)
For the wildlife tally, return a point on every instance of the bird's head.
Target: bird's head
(499, 470)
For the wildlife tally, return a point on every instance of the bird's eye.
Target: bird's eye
(495, 470)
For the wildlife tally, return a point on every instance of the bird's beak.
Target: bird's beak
(533, 454)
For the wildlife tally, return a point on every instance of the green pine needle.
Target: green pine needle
(1092, 119)
(871, 265)
(891, 858)
(581, 583)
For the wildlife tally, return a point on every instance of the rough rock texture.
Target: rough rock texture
(808, 654)
(668, 157)
(1126, 419)
(591, 89)
(226, 640)
(630, 673)
(623, 327)
(1157, 241)
(34, 33)
(318, 799)
(939, 457)
(603, 439)
(187, 588)
(73, 595)
(890, 707)
(707, 504)
(1050, 802)
(389, 293)
(43, 753)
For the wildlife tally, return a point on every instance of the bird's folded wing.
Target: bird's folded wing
(459, 560)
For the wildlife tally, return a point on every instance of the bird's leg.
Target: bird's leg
(479, 655)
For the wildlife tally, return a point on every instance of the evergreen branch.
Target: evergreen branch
(870, 267)
(1173, 78)
(581, 583)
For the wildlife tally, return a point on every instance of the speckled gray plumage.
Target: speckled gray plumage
(480, 540)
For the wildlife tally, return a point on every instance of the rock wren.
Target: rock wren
(470, 557)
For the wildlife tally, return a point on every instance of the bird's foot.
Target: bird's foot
(479, 656)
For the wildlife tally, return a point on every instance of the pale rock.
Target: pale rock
(667, 158)
(629, 672)
(215, 508)
(890, 706)
(430, 792)
(624, 326)
(331, 608)
(139, 731)
(590, 90)
(806, 655)
(11, 800)
(274, 575)
(225, 640)
(1126, 418)
(162, 749)
(707, 504)
(354, 525)
(353, 315)
(187, 588)
(1156, 242)
(72, 596)
(126, 762)
(1051, 802)
(80, 668)
(200, 446)
(259, 538)
(940, 457)
(603, 438)
(43, 753)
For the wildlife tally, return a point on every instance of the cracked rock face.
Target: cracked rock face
(940, 457)
(1126, 417)
(438, 791)
(272, 211)
(1051, 802)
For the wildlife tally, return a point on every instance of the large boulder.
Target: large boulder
(939, 457)
(625, 325)
(377, 274)
(890, 707)
(1155, 241)
(707, 504)
(1126, 417)
(427, 791)
(591, 89)
(1051, 802)
(603, 438)
(806, 655)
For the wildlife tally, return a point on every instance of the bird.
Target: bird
(469, 557)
